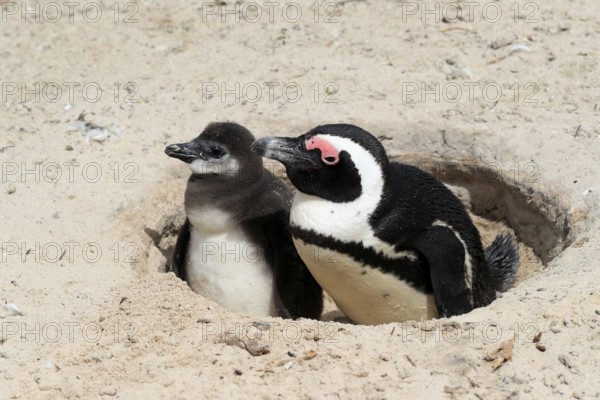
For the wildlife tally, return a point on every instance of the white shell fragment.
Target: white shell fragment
(12, 308)
(519, 47)
(92, 131)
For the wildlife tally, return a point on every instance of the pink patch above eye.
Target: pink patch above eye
(329, 154)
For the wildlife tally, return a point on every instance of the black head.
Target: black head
(334, 162)
(221, 151)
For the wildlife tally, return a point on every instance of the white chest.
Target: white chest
(227, 268)
(347, 222)
(366, 295)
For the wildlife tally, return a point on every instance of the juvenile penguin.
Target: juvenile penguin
(387, 241)
(235, 246)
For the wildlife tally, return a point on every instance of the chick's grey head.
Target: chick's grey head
(221, 152)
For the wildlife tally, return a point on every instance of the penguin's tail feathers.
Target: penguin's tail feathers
(503, 258)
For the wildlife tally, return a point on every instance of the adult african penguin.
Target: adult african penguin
(386, 240)
(235, 246)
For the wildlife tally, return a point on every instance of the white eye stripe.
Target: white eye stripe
(368, 168)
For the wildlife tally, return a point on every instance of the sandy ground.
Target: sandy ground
(509, 87)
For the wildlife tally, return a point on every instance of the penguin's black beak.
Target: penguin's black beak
(196, 149)
(288, 151)
(186, 152)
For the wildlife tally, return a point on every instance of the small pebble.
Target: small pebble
(232, 339)
(567, 362)
(252, 333)
(168, 382)
(108, 391)
(288, 365)
(540, 347)
(11, 189)
(428, 326)
(263, 326)
(564, 26)
(330, 89)
(257, 348)
(312, 336)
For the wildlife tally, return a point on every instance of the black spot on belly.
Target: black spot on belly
(386, 295)
(363, 272)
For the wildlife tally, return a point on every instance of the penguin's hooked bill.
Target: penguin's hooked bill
(196, 149)
(285, 150)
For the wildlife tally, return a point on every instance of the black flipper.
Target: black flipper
(445, 256)
(179, 254)
(299, 294)
(503, 258)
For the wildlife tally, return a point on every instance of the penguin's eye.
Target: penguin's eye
(216, 153)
